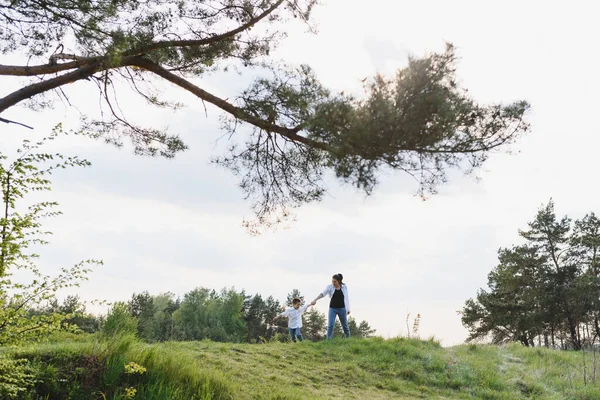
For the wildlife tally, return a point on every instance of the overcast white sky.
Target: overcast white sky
(173, 225)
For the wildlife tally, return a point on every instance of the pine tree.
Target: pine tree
(294, 294)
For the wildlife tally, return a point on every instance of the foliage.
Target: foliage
(206, 314)
(258, 315)
(224, 316)
(73, 306)
(112, 369)
(155, 315)
(202, 314)
(358, 331)
(363, 330)
(15, 377)
(294, 294)
(418, 121)
(314, 325)
(119, 322)
(545, 290)
(20, 232)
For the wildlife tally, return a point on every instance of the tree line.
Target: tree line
(544, 292)
(222, 316)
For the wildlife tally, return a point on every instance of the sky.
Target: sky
(174, 225)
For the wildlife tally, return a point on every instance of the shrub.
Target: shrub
(119, 322)
(15, 378)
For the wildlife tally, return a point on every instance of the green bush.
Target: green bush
(15, 378)
(119, 322)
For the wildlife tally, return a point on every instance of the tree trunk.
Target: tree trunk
(573, 332)
(562, 344)
(587, 332)
(4, 234)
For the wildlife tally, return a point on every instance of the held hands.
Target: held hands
(313, 303)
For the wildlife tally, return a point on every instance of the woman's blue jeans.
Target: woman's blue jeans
(340, 312)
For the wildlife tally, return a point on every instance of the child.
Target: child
(294, 315)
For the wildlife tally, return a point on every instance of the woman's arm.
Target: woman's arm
(320, 296)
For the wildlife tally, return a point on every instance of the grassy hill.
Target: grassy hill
(345, 369)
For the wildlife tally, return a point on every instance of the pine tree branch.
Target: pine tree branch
(50, 68)
(207, 41)
(8, 121)
(49, 84)
(44, 69)
(237, 112)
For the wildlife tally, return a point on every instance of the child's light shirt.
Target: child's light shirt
(294, 316)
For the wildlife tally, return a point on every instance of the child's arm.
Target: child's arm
(306, 307)
(283, 314)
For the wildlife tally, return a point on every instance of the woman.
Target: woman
(339, 304)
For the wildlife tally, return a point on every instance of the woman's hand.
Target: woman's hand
(348, 313)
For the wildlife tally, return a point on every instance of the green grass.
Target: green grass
(344, 369)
